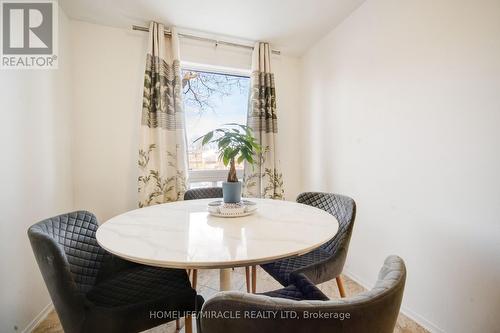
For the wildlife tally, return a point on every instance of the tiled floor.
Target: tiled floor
(208, 285)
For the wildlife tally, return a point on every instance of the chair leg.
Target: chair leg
(195, 278)
(188, 324)
(247, 276)
(340, 284)
(254, 279)
(177, 325)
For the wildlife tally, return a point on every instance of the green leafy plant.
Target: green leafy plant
(235, 143)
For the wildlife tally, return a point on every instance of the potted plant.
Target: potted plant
(235, 144)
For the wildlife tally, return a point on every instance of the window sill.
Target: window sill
(213, 177)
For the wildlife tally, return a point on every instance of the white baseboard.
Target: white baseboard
(39, 318)
(431, 327)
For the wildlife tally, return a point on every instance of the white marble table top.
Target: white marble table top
(183, 235)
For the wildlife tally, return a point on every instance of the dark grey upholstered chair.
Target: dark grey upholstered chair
(203, 193)
(327, 261)
(371, 311)
(208, 193)
(94, 291)
(300, 289)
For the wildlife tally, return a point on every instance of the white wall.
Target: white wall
(108, 70)
(402, 112)
(107, 91)
(35, 174)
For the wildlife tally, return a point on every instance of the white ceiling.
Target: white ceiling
(290, 25)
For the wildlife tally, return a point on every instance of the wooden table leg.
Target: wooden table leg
(225, 279)
(195, 278)
(254, 279)
(188, 324)
(247, 278)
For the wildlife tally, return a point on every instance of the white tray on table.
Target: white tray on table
(220, 209)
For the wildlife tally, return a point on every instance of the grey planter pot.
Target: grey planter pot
(231, 192)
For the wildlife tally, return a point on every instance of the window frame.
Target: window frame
(212, 176)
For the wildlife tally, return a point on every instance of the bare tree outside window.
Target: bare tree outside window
(202, 89)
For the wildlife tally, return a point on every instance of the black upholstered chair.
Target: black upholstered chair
(327, 261)
(375, 310)
(94, 291)
(208, 193)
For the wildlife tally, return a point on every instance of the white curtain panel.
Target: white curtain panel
(162, 151)
(263, 180)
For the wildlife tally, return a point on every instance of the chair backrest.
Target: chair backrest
(203, 193)
(371, 311)
(70, 259)
(344, 210)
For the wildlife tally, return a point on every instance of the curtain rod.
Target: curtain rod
(215, 41)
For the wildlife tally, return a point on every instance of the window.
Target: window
(211, 99)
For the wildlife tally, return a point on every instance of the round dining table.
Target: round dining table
(184, 235)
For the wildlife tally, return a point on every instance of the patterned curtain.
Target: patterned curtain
(162, 151)
(263, 180)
